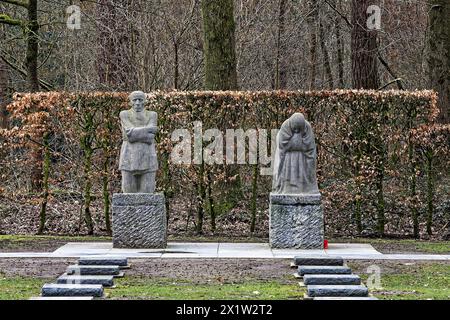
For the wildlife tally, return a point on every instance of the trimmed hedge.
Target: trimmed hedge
(373, 168)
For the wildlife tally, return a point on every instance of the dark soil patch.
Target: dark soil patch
(392, 266)
(206, 270)
(30, 246)
(397, 247)
(34, 267)
(201, 270)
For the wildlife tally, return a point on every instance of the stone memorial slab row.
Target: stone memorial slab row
(318, 261)
(331, 279)
(302, 270)
(93, 270)
(337, 291)
(103, 261)
(106, 281)
(71, 290)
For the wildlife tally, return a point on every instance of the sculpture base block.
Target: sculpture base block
(296, 221)
(139, 220)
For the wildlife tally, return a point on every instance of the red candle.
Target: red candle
(325, 244)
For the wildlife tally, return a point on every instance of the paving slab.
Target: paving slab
(71, 290)
(103, 261)
(84, 248)
(244, 250)
(61, 298)
(290, 253)
(133, 253)
(430, 257)
(318, 260)
(337, 291)
(331, 279)
(302, 270)
(348, 251)
(93, 270)
(191, 250)
(106, 281)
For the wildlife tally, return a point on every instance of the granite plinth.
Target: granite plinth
(139, 220)
(296, 221)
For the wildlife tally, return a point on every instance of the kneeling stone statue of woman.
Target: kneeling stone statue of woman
(295, 158)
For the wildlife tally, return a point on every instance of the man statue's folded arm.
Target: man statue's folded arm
(141, 134)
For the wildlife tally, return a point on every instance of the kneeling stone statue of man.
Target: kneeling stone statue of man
(138, 162)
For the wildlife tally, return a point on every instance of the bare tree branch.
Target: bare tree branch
(339, 13)
(24, 4)
(391, 72)
(47, 86)
(391, 82)
(5, 19)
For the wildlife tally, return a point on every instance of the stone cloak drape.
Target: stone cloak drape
(295, 161)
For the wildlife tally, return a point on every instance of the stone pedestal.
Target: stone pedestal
(139, 220)
(296, 221)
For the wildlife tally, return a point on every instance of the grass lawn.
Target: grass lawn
(399, 281)
(171, 289)
(411, 281)
(20, 288)
(19, 238)
(44, 243)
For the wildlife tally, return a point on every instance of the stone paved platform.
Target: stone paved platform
(348, 251)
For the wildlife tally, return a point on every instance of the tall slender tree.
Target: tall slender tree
(220, 73)
(312, 19)
(339, 47)
(364, 48)
(280, 64)
(3, 94)
(439, 53)
(325, 56)
(219, 45)
(117, 38)
(30, 27)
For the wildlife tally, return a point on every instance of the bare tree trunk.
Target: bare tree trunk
(364, 49)
(219, 45)
(325, 55)
(339, 48)
(3, 94)
(106, 195)
(176, 66)
(33, 86)
(32, 46)
(211, 206)
(439, 54)
(45, 185)
(219, 51)
(116, 67)
(201, 198)
(312, 23)
(280, 65)
(430, 190)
